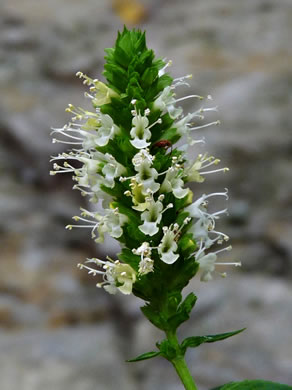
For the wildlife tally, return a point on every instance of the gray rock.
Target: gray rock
(64, 359)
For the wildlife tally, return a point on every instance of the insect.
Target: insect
(163, 143)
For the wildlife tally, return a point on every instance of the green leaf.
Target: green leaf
(254, 385)
(153, 316)
(183, 312)
(167, 349)
(149, 76)
(186, 269)
(193, 342)
(164, 81)
(144, 356)
(127, 256)
(187, 245)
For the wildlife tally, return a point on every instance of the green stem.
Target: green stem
(180, 365)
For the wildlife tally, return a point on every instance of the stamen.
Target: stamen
(228, 248)
(206, 125)
(188, 97)
(54, 141)
(159, 120)
(236, 263)
(215, 171)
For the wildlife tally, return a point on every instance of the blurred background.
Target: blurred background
(57, 331)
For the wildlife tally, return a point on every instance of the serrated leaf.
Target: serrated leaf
(183, 312)
(193, 342)
(149, 76)
(186, 270)
(164, 81)
(254, 385)
(153, 316)
(144, 356)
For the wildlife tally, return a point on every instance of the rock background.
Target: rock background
(56, 330)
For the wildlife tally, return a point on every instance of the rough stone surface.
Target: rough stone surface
(84, 358)
(52, 318)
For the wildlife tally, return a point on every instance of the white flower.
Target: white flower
(173, 183)
(116, 275)
(143, 250)
(106, 131)
(194, 171)
(208, 262)
(112, 224)
(140, 133)
(111, 170)
(168, 246)
(139, 198)
(201, 230)
(141, 156)
(165, 102)
(147, 176)
(182, 125)
(143, 183)
(151, 217)
(207, 266)
(102, 93)
(205, 222)
(145, 179)
(146, 264)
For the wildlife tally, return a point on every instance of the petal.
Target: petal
(180, 192)
(149, 228)
(116, 231)
(102, 140)
(140, 143)
(126, 288)
(169, 257)
(107, 121)
(140, 121)
(111, 289)
(207, 262)
(174, 112)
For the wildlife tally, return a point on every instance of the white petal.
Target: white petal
(111, 289)
(140, 143)
(169, 257)
(116, 231)
(174, 112)
(180, 192)
(207, 263)
(103, 140)
(126, 288)
(149, 228)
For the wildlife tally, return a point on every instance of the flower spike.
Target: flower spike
(124, 153)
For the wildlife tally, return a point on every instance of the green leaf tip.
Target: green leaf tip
(144, 356)
(183, 311)
(132, 70)
(193, 342)
(254, 385)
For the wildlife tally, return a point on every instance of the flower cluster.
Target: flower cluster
(123, 153)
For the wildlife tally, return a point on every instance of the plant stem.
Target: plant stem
(180, 365)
